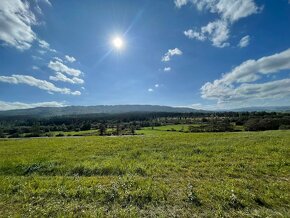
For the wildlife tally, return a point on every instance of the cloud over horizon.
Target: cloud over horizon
(4, 105)
(238, 86)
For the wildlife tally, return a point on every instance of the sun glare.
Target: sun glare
(118, 43)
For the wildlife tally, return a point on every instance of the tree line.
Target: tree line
(128, 123)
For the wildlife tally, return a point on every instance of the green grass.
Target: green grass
(166, 174)
(177, 127)
(78, 133)
(180, 127)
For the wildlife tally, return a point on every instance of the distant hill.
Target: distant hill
(267, 109)
(106, 109)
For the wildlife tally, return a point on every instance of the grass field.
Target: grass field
(160, 173)
(169, 127)
(182, 127)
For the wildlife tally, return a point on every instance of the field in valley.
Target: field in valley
(160, 173)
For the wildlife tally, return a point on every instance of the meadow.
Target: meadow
(160, 173)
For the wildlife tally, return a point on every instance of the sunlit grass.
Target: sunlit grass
(161, 173)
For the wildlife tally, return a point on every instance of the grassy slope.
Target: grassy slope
(161, 173)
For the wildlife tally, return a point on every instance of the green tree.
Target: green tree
(35, 130)
(86, 126)
(118, 129)
(2, 133)
(132, 129)
(102, 129)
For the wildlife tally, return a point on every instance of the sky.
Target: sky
(204, 54)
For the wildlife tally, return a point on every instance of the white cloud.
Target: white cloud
(236, 85)
(61, 77)
(150, 90)
(167, 69)
(250, 93)
(171, 53)
(234, 10)
(45, 45)
(70, 58)
(244, 42)
(47, 2)
(217, 32)
(156, 85)
(41, 84)
(36, 57)
(180, 3)
(42, 52)
(16, 20)
(57, 66)
(230, 11)
(58, 59)
(35, 68)
(199, 106)
(20, 105)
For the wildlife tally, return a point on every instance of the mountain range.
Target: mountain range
(99, 109)
(116, 109)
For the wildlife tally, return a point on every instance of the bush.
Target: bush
(256, 124)
(49, 134)
(284, 127)
(60, 134)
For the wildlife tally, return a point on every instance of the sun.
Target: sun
(118, 43)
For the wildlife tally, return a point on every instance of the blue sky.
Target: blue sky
(210, 54)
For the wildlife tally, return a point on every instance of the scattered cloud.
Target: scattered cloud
(45, 45)
(34, 57)
(244, 42)
(171, 53)
(167, 69)
(58, 66)
(237, 85)
(61, 77)
(156, 86)
(217, 32)
(58, 59)
(70, 58)
(47, 2)
(16, 21)
(180, 3)
(42, 52)
(44, 1)
(229, 11)
(4, 106)
(41, 84)
(207, 107)
(35, 68)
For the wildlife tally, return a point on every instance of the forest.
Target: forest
(128, 123)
